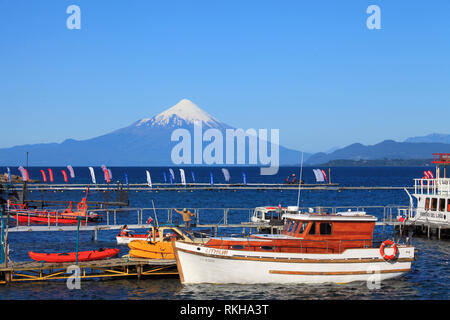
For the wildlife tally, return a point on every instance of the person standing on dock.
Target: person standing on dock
(186, 217)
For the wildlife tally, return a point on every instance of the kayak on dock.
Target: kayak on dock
(90, 255)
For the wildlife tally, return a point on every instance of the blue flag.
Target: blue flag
(212, 178)
(244, 178)
(193, 176)
(171, 179)
(9, 174)
(126, 178)
(165, 177)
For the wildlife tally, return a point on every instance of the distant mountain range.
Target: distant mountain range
(386, 150)
(431, 138)
(147, 142)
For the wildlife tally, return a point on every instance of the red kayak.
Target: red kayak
(71, 256)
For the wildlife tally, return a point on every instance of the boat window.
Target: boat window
(293, 227)
(237, 247)
(448, 205)
(273, 215)
(187, 235)
(441, 204)
(325, 228)
(259, 214)
(427, 203)
(302, 228)
(287, 225)
(268, 248)
(433, 204)
(312, 230)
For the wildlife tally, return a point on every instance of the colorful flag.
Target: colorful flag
(324, 175)
(183, 177)
(149, 179)
(24, 173)
(92, 175)
(226, 174)
(319, 175)
(72, 173)
(44, 176)
(64, 175)
(50, 174)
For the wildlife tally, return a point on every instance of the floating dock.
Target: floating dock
(110, 268)
(198, 187)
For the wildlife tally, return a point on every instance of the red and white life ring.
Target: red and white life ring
(390, 244)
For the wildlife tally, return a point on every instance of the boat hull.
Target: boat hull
(200, 264)
(150, 250)
(44, 218)
(127, 239)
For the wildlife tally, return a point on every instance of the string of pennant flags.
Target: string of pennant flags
(48, 176)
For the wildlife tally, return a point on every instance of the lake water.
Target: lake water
(429, 278)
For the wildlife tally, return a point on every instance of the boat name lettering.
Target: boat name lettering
(216, 251)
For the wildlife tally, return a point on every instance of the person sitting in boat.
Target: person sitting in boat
(186, 217)
(124, 231)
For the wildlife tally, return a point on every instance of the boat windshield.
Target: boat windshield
(273, 214)
(187, 235)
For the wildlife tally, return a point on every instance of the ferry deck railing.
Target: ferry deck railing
(432, 187)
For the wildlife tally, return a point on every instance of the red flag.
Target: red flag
(430, 174)
(324, 175)
(149, 220)
(50, 174)
(105, 171)
(44, 176)
(64, 175)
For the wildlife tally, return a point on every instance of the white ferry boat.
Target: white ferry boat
(432, 193)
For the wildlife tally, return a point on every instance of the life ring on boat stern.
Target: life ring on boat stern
(391, 244)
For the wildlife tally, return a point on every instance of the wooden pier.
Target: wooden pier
(110, 268)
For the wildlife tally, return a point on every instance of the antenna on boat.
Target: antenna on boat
(300, 182)
(154, 211)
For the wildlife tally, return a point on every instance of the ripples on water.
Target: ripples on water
(429, 279)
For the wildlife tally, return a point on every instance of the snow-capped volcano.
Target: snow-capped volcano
(184, 112)
(145, 142)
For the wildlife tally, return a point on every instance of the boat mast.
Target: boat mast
(300, 181)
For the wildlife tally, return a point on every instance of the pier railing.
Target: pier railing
(115, 218)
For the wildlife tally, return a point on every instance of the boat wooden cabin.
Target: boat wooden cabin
(310, 233)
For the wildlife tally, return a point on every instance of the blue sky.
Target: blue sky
(310, 68)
